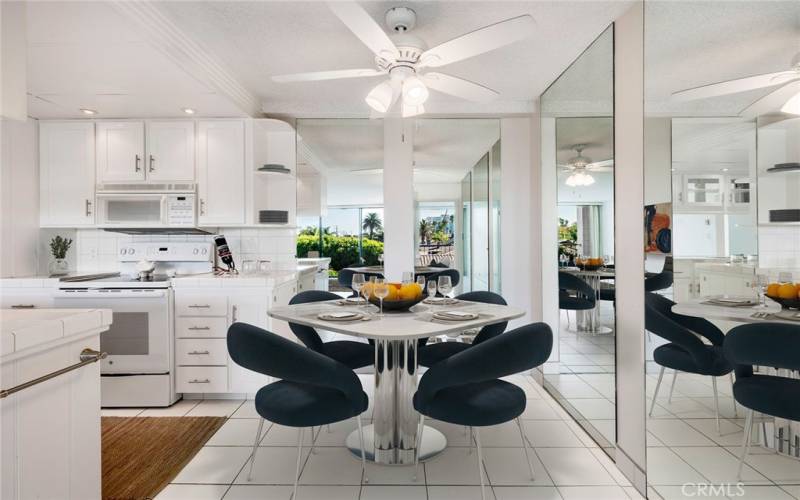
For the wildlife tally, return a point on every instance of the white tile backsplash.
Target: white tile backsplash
(779, 247)
(95, 250)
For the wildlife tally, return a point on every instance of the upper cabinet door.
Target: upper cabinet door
(120, 152)
(221, 172)
(66, 173)
(170, 151)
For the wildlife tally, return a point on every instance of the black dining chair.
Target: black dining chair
(465, 389)
(574, 294)
(455, 276)
(314, 389)
(345, 279)
(431, 354)
(352, 354)
(774, 345)
(686, 350)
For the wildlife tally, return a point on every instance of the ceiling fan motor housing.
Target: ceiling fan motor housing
(401, 19)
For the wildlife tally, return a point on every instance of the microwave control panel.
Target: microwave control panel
(180, 210)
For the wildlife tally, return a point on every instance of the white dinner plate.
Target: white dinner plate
(440, 301)
(455, 316)
(340, 316)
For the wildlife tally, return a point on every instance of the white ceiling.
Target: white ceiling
(595, 133)
(260, 39)
(89, 55)
(713, 145)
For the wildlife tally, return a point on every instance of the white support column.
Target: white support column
(629, 237)
(548, 236)
(398, 197)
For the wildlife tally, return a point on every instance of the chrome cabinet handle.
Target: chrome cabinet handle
(199, 328)
(138, 161)
(197, 381)
(23, 306)
(200, 306)
(88, 208)
(152, 160)
(199, 352)
(234, 313)
(202, 207)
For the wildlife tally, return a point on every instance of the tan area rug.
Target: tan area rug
(141, 455)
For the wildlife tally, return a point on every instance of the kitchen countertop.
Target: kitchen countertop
(269, 280)
(29, 282)
(25, 330)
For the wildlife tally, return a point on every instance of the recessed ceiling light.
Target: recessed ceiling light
(188, 111)
(725, 169)
(87, 111)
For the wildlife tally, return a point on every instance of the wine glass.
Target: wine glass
(358, 283)
(249, 267)
(408, 277)
(445, 285)
(381, 291)
(365, 291)
(784, 277)
(762, 282)
(431, 289)
(421, 281)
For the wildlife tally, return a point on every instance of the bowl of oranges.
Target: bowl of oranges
(785, 294)
(589, 263)
(401, 297)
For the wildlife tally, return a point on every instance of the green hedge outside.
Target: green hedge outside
(343, 250)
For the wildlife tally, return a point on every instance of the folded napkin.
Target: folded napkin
(344, 314)
(456, 314)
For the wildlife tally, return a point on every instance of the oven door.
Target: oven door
(138, 341)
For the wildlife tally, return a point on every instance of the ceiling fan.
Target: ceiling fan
(580, 166)
(786, 97)
(403, 56)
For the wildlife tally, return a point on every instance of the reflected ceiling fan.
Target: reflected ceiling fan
(579, 167)
(786, 97)
(403, 56)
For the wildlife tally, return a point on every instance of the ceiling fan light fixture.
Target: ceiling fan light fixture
(409, 111)
(415, 92)
(579, 179)
(380, 97)
(792, 106)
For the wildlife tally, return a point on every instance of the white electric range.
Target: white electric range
(140, 369)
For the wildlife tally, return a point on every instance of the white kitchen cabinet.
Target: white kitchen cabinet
(120, 152)
(26, 298)
(281, 296)
(248, 306)
(306, 282)
(221, 172)
(170, 151)
(66, 173)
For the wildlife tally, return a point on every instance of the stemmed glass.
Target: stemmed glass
(357, 284)
(431, 289)
(381, 290)
(366, 290)
(408, 277)
(445, 285)
(421, 282)
(762, 281)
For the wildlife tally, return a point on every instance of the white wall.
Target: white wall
(548, 233)
(19, 198)
(13, 61)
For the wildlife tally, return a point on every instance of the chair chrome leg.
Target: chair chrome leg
(299, 459)
(764, 431)
(735, 411)
(672, 387)
(314, 437)
(655, 394)
(255, 448)
(361, 444)
(471, 441)
(748, 431)
(480, 462)
(417, 444)
(716, 402)
(525, 447)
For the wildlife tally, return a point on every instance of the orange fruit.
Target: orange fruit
(787, 291)
(772, 289)
(410, 291)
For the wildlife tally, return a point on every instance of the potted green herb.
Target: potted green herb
(58, 248)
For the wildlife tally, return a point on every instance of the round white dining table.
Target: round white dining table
(391, 439)
(787, 433)
(588, 320)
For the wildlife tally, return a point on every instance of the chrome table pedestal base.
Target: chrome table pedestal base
(433, 443)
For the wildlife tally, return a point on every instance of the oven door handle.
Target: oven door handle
(109, 294)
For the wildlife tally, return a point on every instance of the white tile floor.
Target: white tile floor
(567, 463)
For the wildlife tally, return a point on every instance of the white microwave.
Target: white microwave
(146, 210)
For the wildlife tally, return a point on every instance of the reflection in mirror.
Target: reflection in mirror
(722, 198)
(578, 148)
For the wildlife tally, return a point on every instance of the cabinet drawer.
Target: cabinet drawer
(201, 379)
(204, 327)
(201, 305)
(201, 352)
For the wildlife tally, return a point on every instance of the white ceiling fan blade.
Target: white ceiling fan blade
(365, 28)
(600, 164)
(459, 87)
(773, 101)
(735, 86)
(479, 41)
(327, 75)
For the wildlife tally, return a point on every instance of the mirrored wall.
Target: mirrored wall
(722, 179)
(578, 154)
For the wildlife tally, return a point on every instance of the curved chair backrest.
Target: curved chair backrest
(765, 344)
(570, 283)
(346, 278)
(455, 276)
(521, 349)
(658, 281)
(435, 263)
(306, 334)
(488, 331)
(264, 352)
(660, 320)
